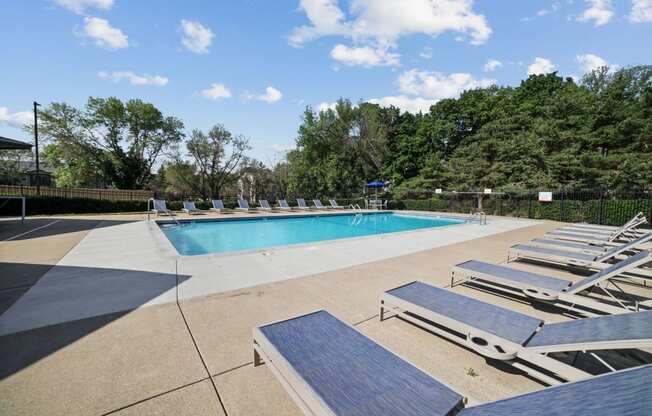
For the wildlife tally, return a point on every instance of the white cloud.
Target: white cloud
(271, 95)
(601, 11)
(365, 56)
(197, 38)
(540, 66)
(426, 53)
(436, 85)
(18, 120)
(326, 18)
(641, 11)
(376, 25)
(134, 79)
(216, 92)
(404, 103)
(325, 106)
(492, 65)
(78, 6)
(104, 34)
(280, 148)
(553, 8)
(588, 62)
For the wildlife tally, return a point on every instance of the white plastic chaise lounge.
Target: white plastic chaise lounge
(334, 204)
(587, 259)
(330, 368)
(522, 341)
(190, 208)
(571, 296)
(624, 233)
(218, 206)
(243, 205)
(318, 205)
(264, 205)
(301, 204)
(283, 205)
(159, 207)
(584, 228)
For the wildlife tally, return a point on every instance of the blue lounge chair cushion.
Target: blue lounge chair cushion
(527, 278)
(553, 252)
(495, 320)
(622, 327)
(354, 375)
(623, 393)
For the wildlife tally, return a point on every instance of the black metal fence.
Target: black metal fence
(597, 207)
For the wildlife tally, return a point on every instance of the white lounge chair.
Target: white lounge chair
(190, 208)
(301, 204)
(527, 343)
(624, 233)
(264, 205)
(330, 368)
(584, 259)
(605, 229)
(577, 297)
(159, 207)
(283, 205)
(334, 204)
(243, 205)
(318, 205)
(218, 206)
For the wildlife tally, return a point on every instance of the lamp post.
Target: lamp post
(38, 169)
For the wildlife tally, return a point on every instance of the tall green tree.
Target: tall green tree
(215, 156)
(120, 141)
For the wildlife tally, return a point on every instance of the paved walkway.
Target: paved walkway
(194, 356)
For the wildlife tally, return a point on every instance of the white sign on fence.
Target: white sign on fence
(545, 196)
(438, 190)
(487, 190)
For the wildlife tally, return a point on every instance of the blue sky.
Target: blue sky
(253, 65)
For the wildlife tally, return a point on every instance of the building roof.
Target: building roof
(11, 144)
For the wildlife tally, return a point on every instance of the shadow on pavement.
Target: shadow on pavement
(107, 295)
(16, 231)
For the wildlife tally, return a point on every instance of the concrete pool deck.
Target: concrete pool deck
(191, 354)
(133, 264)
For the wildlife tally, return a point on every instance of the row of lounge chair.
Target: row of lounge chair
(160, 208)
(330, 368)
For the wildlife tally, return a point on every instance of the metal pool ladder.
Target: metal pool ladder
(480, 216)
(174, 218)
(355, 207)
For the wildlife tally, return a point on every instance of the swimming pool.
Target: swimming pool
(221, 236)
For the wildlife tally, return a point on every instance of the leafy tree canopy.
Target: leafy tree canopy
(108, 141)
(548, 132)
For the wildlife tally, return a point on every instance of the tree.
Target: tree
(215, 157)
(120, 141)
(10, 165)
(548, 132)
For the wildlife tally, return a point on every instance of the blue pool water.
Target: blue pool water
(202, 237)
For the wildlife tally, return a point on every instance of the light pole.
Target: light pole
(38, 169)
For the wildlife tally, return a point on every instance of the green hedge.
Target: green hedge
(614, 212)
(46, 205)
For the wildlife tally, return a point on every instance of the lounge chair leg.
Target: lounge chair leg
(257, 359)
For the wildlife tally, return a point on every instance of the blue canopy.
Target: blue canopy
(376, 184)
